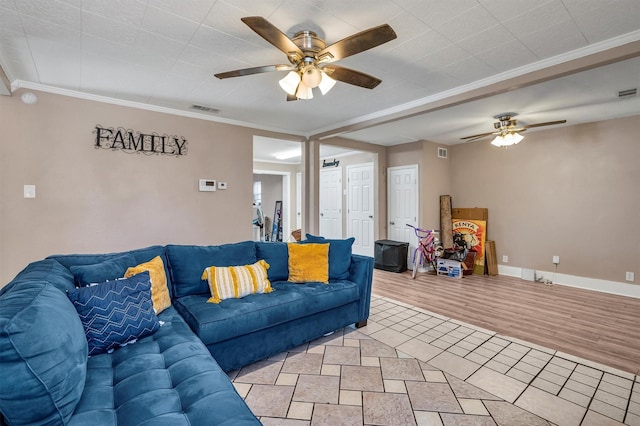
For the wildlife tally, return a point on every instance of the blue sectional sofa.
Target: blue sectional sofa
(176, 375)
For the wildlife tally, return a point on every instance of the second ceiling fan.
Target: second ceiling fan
(310, 58)
(507, 130)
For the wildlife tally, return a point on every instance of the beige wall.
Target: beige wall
(97, 200)
(571, 191)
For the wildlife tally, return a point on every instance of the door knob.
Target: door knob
(392, 223)
(370, 217)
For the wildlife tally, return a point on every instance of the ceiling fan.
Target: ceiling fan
(507, 130)
(310, 58)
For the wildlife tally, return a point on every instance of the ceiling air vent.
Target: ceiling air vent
(205, 109)
(627, 93)
(442, 152)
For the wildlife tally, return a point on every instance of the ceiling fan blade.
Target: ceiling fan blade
(347, 75)
(475, 137)
(254, 70)
(548, 123)
(357, 43)
(273, 35)
(291, 97)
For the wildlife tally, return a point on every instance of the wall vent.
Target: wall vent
(627, 93)
(205, 109)
(442, 152)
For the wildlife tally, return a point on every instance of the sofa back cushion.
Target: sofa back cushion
(103, 271)
(189, 262)
(43, 353)
(339, 255)
(48, 270)
(140, 256)
(276, 254)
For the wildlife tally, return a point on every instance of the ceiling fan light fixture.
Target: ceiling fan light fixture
(311, 76)
(290, 82)
(326, 83)
(507, 139)
(304, 92)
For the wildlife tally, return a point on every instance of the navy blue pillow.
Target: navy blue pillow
(115, 312)
(276, 254)
(339, 255)
(104, 271)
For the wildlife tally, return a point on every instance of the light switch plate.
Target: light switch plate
(222, 185)
(29, 191)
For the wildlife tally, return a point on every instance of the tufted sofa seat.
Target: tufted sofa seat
(168, 378)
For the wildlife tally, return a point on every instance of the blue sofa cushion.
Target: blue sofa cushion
(167, 378)
(48, 270)
(289, 301)
(141, 255)
(103, 271)
(188, 263)
(115, 312)
(276, 254)
(339, 255)
(43, 354)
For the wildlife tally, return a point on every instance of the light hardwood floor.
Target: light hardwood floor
(596, 326)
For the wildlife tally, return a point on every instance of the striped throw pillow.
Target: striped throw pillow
(234, 282)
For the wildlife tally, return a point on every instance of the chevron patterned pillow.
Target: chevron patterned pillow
(115, 312)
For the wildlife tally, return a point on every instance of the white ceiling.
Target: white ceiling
(164, 53)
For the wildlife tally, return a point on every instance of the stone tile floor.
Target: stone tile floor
(409, 366)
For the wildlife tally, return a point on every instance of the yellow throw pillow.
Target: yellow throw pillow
(159, 290)
(229, 282)
(308, 262)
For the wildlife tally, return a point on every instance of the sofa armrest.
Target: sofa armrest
(361, 273)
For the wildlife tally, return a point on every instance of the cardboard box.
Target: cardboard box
(449, 268)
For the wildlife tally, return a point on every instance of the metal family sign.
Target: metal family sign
(147, 143)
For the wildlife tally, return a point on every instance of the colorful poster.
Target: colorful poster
(471, 234)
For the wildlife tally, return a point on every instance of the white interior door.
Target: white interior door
(331, 203)
(360, 209)
(402, 190)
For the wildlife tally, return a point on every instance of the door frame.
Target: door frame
(286, 199)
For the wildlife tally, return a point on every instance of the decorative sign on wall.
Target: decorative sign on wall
(131, 141)
(334, 163)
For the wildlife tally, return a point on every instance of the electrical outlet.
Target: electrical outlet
(630, 276)
(556, 260)
(505, 258)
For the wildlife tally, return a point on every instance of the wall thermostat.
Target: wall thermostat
(207, 185)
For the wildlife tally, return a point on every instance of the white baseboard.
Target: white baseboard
(605, 286)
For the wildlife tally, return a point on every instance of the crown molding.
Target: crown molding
(21, 84)
(410, 107)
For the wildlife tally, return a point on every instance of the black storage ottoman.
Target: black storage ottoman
(391, 255)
